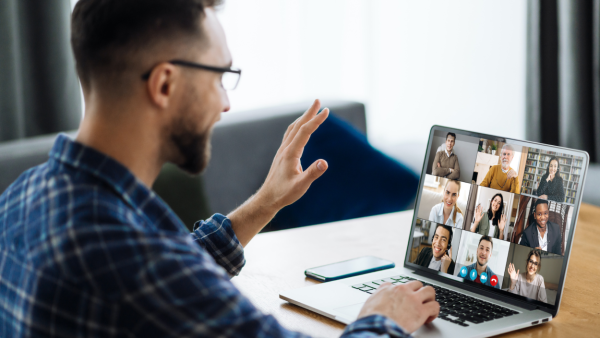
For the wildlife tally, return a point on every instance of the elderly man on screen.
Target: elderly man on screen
(502, 176)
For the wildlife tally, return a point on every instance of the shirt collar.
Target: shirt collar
(441, 212)
(448, 154)
(143, 200)
(504, 171)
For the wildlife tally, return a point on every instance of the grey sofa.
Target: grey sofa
(243, 147)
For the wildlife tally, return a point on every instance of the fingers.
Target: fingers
(431, 310)
(315, 171)
(426, 294)
(414, 285)
(299, 140)
(307, 116)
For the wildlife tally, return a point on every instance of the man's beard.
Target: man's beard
(479, 263)
(194, 148)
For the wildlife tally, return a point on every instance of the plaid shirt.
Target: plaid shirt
(87, 250)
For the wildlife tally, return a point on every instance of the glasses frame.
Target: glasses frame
(190, 64)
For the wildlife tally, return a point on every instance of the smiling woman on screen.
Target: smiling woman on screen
(448, 212)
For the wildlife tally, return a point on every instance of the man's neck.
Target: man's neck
(125, 138)
(480, 268)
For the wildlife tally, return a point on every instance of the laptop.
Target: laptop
(492, 232)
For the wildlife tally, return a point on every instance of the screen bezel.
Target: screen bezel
(486, 290)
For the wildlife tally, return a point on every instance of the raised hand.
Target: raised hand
(514, 275)
(446, 260)
(478, 214)
(512, 173)
(410, 305)
(286, 181)
(502, 222)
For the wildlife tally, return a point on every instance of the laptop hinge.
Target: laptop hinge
(525, 305)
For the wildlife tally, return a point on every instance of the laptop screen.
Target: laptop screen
(497, 213)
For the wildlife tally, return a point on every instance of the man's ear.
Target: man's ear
(162, 84)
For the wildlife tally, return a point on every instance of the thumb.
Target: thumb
(315, 171)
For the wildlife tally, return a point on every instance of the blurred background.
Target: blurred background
(520, 69)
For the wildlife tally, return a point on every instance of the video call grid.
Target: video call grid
(533, 162)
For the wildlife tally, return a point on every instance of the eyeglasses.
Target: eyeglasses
(229, 79)
(532, 262)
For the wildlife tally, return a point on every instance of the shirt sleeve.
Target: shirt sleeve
(456, 173)
(439, 171)
(516, 187)
(217, 237)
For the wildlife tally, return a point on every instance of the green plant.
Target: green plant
(480, 148)
(494, 146)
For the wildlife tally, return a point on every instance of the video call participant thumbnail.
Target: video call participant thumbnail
(448, 212)
(484, 253)
(551, 185)
(502, 176)
(437, 257)
(542, 234)
(445, 163)
(492, 221)
(529, 284)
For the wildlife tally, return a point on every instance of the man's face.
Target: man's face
(541, 214)
(449, 143)
(506, 157)
(440, 242)
(484, 252)
(202, 101)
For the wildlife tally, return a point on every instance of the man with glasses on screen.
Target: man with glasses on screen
(502, 176)
(94, 252)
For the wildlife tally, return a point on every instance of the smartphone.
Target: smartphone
(349, 268)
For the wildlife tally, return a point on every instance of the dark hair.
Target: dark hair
(105, 33)
(538, 202)
(537, 254)
(553, 158)
(451, 134)
(447, 227)
(486, 238)
(496, 218)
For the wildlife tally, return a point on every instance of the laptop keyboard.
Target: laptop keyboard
(454, 307)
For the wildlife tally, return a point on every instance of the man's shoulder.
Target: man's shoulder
(50, 197)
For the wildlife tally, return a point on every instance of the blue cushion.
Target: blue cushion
(360, 181)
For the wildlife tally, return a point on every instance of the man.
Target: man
(89, 250)
(438, 257)
(445, 163)
(484, 253)
(502, 176)
(543, 234)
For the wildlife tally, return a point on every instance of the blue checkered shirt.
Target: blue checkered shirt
(87, 250)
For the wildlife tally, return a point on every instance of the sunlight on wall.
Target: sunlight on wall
(414, 63)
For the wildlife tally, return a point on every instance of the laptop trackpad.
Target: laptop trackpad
(349, 311)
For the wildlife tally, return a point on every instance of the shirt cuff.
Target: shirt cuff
(218, 238)
(375, 324)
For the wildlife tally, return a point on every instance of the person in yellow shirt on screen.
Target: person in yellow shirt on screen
(502, 176)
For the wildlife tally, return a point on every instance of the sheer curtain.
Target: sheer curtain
(414, 63)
